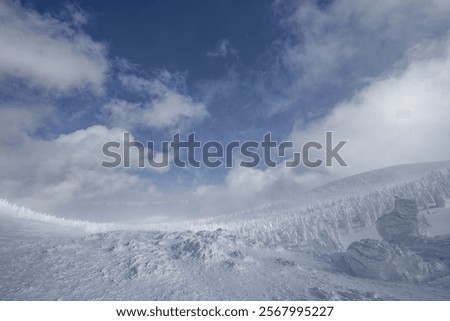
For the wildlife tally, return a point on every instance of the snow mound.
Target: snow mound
(401, 224)
(218, 247)
(403, 254)
(439, 201)
(208, 247)
(432, 248)
(386, 261)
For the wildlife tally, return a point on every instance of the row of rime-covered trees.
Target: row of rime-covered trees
(322, 224)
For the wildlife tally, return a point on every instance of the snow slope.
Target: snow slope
(276, 252)
(124, 265)
(377, 179)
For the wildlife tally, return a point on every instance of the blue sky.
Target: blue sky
(182, 37)
(73, 76)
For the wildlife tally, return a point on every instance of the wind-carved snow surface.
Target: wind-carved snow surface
(352, 247)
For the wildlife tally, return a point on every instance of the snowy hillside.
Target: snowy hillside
(378, 179)
(329, 250)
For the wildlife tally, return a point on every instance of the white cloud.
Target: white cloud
(64, 176)
(247, 188)
(18, 121)
(333, 50)
(223, 49)
(402, 117)
(47, 52)
(164, 106)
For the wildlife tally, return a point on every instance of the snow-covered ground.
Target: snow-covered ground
(276, 252)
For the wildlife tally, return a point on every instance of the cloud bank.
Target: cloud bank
(164, 106)
(48, 53)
